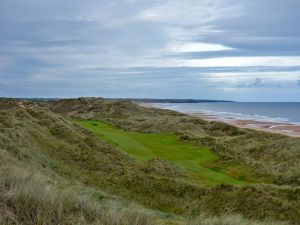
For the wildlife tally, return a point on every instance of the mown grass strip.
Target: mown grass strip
(167, 146)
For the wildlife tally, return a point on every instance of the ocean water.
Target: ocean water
(259, 111)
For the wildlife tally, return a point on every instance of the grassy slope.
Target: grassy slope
(28, 198)
(33, 139)
(167, 146)
(43, 160)
(273, 156)
(261, 151)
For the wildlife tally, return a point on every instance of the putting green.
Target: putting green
(167, 146)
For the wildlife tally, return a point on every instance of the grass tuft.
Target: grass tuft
(27, 200)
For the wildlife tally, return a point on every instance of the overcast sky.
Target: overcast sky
(208, 49)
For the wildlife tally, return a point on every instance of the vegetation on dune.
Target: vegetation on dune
(82, 178)
(262, 152)
(93, 107)
(196, 159)
(225, 220)
(29, 200)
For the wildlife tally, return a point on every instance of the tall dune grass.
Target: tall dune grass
(51, 145)
(35, 200)
(227, 220)
(27, 200)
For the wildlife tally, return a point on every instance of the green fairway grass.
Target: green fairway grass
(194, 159)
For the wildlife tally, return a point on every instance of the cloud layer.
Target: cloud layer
(219, 49)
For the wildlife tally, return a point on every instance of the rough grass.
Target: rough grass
(28, 200)
(49, 143)
(33, 199)
(273, 157)
(226, 220)
(193, 158)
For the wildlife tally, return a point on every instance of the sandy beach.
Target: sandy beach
(273, 127)
(281, 128)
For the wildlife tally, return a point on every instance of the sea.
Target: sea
(281, 112)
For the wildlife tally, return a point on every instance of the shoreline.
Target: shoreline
(267, 126)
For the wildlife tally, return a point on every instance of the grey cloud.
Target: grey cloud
(96, 48)
(193, 70)
(258, 83)
(264, 28)
(238, 53)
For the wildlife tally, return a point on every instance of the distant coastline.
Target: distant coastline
(138, 100)
(158, 100)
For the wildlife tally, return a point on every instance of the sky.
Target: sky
(237, 50)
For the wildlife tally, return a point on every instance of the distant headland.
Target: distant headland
(158, 100)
